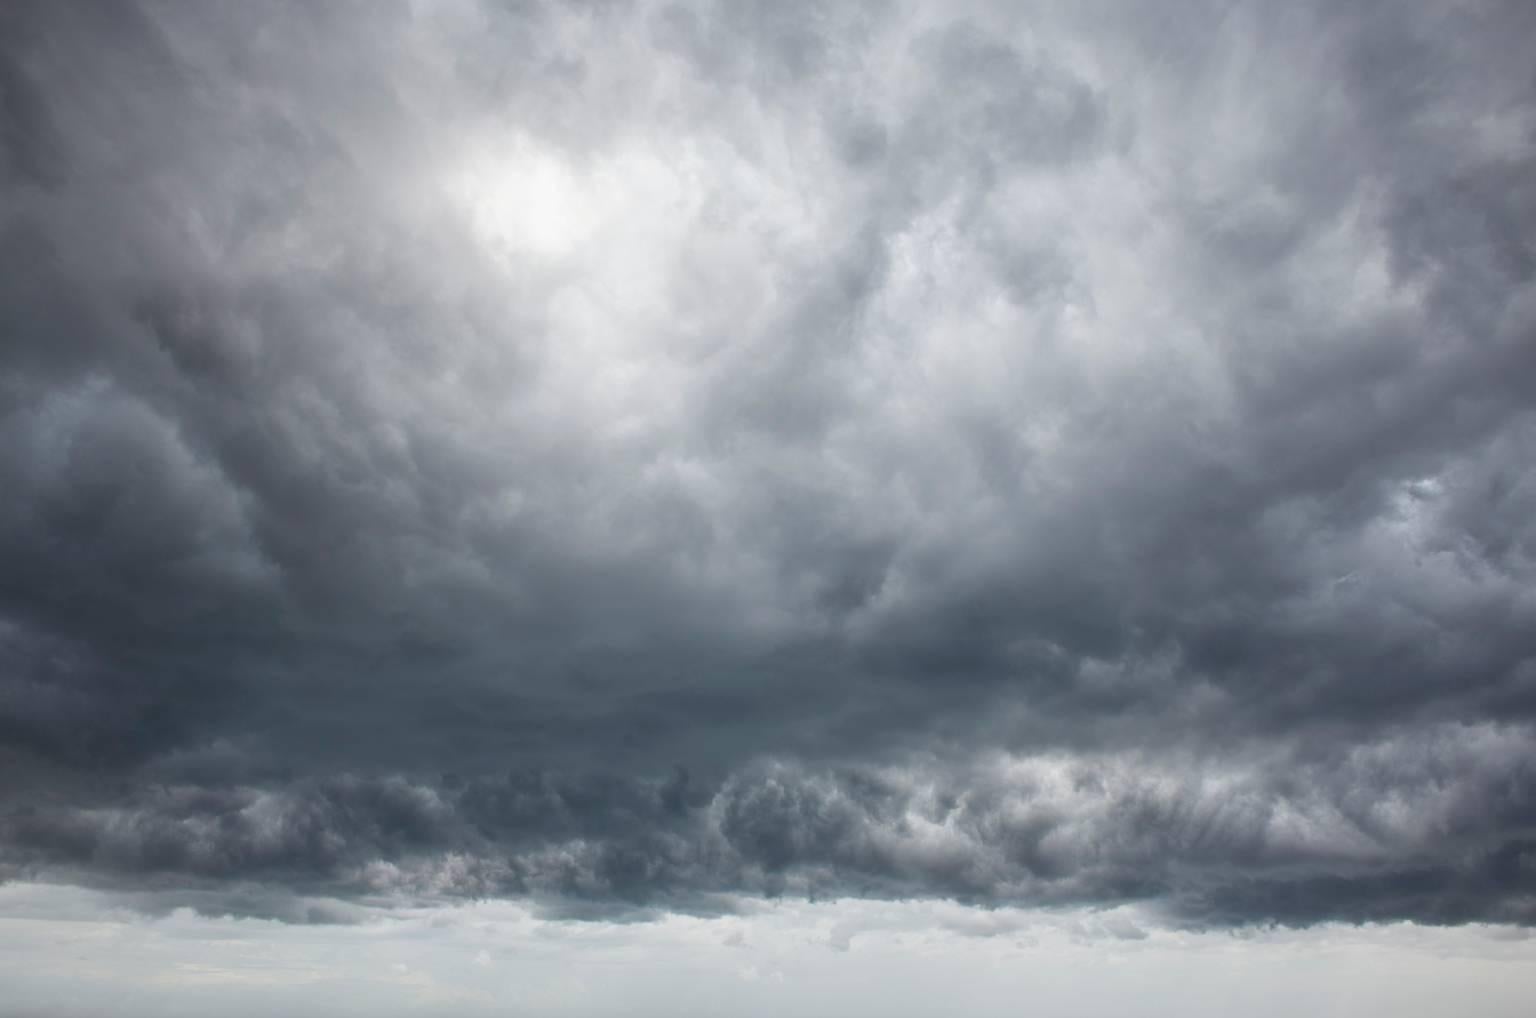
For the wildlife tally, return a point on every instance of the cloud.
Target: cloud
(639, 454)
(1424, 827)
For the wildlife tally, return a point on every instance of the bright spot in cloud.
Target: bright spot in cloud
(523, 197)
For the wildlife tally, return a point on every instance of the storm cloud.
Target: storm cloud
(642, 456)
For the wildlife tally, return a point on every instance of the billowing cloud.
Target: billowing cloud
(636, 455)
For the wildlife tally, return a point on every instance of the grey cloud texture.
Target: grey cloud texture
(640, 454)
(1388, 830)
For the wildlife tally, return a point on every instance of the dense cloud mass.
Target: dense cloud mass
(638, 455)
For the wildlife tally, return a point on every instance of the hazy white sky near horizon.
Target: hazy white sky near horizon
(70, 952)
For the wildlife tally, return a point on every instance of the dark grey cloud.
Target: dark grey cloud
(639, 454)
(1430, 827)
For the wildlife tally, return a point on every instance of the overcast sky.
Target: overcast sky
(841, 506)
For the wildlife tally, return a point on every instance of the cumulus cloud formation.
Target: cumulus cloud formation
(640, 455)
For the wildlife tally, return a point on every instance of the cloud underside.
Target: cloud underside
(1420, 828)
(638, 455)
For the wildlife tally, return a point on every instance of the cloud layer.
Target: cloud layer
(641, 454)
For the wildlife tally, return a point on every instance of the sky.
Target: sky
(596, 507)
